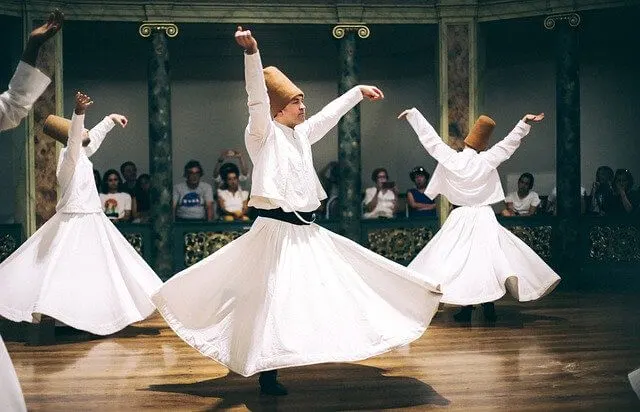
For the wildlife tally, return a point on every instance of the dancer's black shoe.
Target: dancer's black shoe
(489, 310)
(464, 316)
(269, 384)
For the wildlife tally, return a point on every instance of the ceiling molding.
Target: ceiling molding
(280, 12)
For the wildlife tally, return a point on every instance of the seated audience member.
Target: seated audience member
(552, 200)
(116, 204)
(228, 154)
(193, 199)
(380, 200)
(419, 203)
(142, 199)
(232, 200)
(624, 201)
(130, 175)
(524, 201)
(601, 191)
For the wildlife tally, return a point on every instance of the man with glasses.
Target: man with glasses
(193, 199)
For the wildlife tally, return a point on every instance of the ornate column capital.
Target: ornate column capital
(148, 27)
(340, 30)
(572, 19)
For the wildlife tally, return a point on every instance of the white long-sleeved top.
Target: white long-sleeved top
(466, 178)
(283, 174)
(26, 85)
(78, 192)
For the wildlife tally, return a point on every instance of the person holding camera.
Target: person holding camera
(225, 158)
(381, 200)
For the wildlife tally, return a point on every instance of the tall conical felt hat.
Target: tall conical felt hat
(57, 128)
(281, 90)
(480, 133)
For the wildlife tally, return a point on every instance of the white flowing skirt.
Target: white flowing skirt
(80, 270)
(11, 398)
(476, 260)
(286, 295)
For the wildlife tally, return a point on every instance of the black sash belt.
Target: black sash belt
(288, 217)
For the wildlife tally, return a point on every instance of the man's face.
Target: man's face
(130, 173)
(293, 114)
(523, 185)
(232, 182)
(193, 176)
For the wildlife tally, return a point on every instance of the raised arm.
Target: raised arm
(429, 138)
(27, 84)
(99, 131)
(40, 35)
(74, 144)
(505, 148)
(325, 120)
(260, 122)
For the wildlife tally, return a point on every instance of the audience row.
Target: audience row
(125, 196)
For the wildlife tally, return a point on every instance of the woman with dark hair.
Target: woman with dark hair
(116, 204)
(623, 201)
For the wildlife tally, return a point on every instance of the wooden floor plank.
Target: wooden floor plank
(568, 351)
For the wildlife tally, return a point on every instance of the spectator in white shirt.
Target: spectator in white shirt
(115, 203)
(380, 200)
(524, 201)
(232, 200)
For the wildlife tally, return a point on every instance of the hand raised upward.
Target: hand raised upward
(245, 39)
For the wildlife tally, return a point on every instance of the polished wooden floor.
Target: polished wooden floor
(569, 351)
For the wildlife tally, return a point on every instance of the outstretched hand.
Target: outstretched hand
(245, 39)
(533, 118)
(43, 33)
(371, 92)
(40, 35)
(119, 119)
(404, 114)
(82, 102)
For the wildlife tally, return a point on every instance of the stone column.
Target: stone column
(160, 151)
(458, 83)
(349, 133)
(566, 240)
(37, 186)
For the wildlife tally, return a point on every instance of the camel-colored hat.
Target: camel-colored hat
(478, 137)
(281, 90)
(57, 128)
